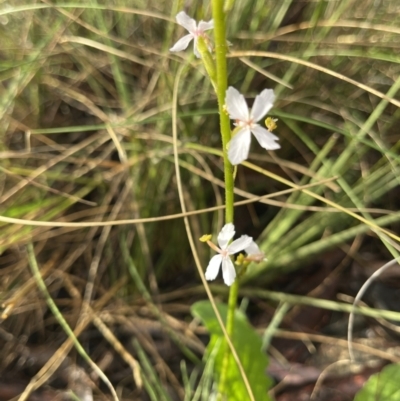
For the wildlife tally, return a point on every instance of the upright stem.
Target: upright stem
(221, 49)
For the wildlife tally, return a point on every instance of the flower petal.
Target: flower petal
(265, 138)
(239, 244)
(262, 104)
(254, 253)
(205, 26)
(239, 146)
(225, 235)
(182, 43)
(236, 105)
(253, 249)
(228, 271)
(188, 23)
(213, 267)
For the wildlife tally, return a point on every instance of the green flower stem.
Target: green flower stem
(232, 302)
(221, 49)
(207, 61)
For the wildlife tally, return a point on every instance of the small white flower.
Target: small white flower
(246, 120)
(225, 250)
(254, 253)
(194, 32)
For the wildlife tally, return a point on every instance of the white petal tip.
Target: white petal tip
(228, 272)
(209, 277)
(229, 283)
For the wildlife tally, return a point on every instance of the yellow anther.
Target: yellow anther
(240, 259)
(270, 123)
(205, 238)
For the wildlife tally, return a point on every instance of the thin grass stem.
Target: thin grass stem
(62, 322)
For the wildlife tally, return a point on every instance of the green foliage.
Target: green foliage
(382, 386)
(248, 346)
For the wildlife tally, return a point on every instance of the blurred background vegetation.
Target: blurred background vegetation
(86, 136)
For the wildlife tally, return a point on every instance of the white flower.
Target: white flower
(194, 32)
(224, 251)
(254, 253)
(246, 120)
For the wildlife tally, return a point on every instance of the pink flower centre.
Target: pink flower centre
(247, 123)
(224, 253)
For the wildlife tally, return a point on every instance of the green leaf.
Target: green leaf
(248, 346)
(382, 386)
